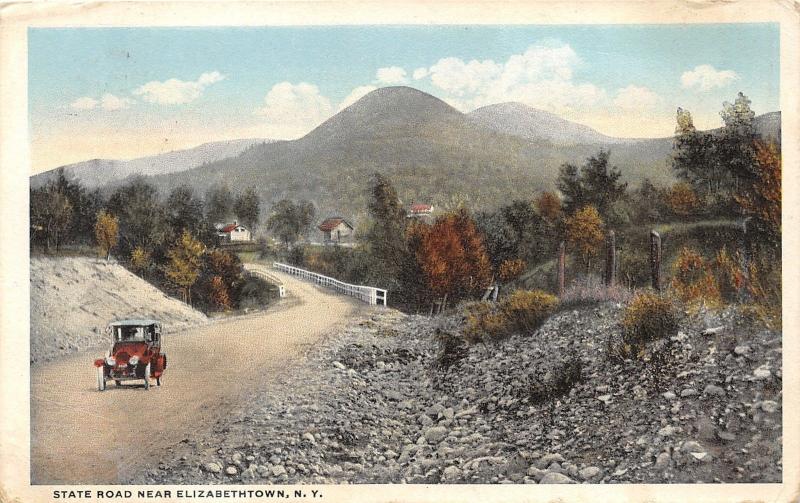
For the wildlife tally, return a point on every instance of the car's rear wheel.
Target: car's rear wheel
(117, 382)
(147, 377)
(101, 379)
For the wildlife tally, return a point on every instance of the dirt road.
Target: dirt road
(82, 436)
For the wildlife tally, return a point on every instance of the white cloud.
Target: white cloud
(291, 110)
(175, 91)
(636, 98)
(84, 103)
(706, 78)
(420, 73)
(111, 102)
(391, 75)
(355, 95)
(541, 77)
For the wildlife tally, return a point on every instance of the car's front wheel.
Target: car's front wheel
(101, 379)
(147, 377)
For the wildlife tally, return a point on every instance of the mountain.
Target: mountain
(432, 152)
(533, 124)
(99, 172)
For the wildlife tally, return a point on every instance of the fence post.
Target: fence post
(611, 259)
(561, 260)
(655, 260)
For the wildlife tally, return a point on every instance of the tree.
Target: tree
(184, 211)
(247, 208)
(585, 234)
(289, 220)
(386, 237)
(548, 205)
(140, 260)
(219, 203)
(499, 238)
(453, 258)
(142, 220)
(185, 261)
(594, 184)
(106, 231)
(51, 214)
(682, 199)
(219, 294)
(761, 200)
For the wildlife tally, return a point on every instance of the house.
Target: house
(420, 211)
(233, 233)
(336, 230)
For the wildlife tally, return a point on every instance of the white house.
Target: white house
(234, 233)
(336, 230)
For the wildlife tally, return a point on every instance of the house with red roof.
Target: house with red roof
(421, 211)
(336, 230)
(233, 233)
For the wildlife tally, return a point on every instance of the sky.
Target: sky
(121, 93)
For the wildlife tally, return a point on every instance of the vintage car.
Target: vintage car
(135, 354)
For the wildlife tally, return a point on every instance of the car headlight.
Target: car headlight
(134, 360)
(111, 361)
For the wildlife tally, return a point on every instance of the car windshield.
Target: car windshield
(127, 333)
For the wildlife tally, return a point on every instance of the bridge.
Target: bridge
(371, 295)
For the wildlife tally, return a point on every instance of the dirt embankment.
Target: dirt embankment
(74, 298)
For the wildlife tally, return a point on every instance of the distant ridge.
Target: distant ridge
(99, 172)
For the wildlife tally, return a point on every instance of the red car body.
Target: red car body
(135, 354)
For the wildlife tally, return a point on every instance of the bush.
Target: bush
(693, 280)
(591, 291)
(256, 293)
(484, 321)
(561, 380)
(452, 348)
(647, 318)
(527, 310)
(297, 256)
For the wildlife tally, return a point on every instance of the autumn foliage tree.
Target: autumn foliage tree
(585, 234)
(219, 295)
(682, 199)
(548, 205)
(185, 261)
(106, 232)
(762, 199)
(453, 258)
(140, 260)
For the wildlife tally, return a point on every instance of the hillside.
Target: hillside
(372, 404)
(73, 300)
(527, 122)
(99, 172)
(431, 151)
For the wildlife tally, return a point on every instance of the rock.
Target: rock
(741, 350)
(688, 392)
(606, 399)
(549, 459)
(713, 331)
(435, 434)
(556, 478)
(761, 374)
(769, 406)
(339, 365)
(725, 435)
(536, 473)
(692, 446)
(310, 438)
(662, 461)
(212, 467)
(700, 456)
(451, 473)
(712, 389)
(278, 470)
(231, 470)
(667, 431)
(669, 395)
(589, 472)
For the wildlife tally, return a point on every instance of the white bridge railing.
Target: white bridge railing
(370, 295)
(269, 278)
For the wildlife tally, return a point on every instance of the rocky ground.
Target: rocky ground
(372, 404)
(74, 298)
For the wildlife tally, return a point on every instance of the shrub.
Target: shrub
(693, 280)
(511, 269)
(647, 318)
(527, 310)
(297, 256)
(483, 320)
(729, 274)
(561, 380)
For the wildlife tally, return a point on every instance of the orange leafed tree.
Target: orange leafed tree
(763, 201)
(453, 258)
(585, 233)
(682, 199)
(219, 293)
(548, 205)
